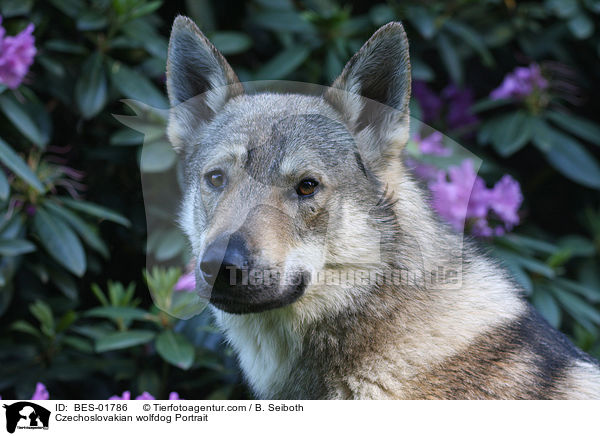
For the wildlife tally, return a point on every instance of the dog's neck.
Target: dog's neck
(267, 345)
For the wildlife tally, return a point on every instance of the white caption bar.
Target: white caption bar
(264, 418)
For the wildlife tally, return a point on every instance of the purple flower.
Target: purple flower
(505, 200)
(429, 102)
(459, 106)
(460, 196)
(126, 396)
(520, 83)
(144, 396)
(432, 144)
(41, 393)
(16, 55)
(186, 282)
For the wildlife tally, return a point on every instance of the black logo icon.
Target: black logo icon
(26, 415)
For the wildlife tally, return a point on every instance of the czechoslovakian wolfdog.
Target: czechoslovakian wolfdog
(303, 219)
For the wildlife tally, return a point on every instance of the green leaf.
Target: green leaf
(545, 303)
(582, 312)
(95, 210)
(66, 321)
(519, 275)
(421, 18)
(64, 46)
(284, 21)
(83, 229)
(78, 343)
(578, 245)
(12, 8)
(136, 86)
(91, 20)
(490, 103)
(157, 157)
(450, 58)
(126, 137)
(99, 294)
(590, 293)
(536, 266)
(65, 283)
(170, 243)
(472, 38)
(19, 167)
(25, 327)
(60, 242)
(71, 8)
(15, 247)
(230, 43)
(16, 113)
(334, 65)
(4, 186)
(533, 243)
(284, 63)
(382, 14)
(420, 70)
(517, 272)
(512, 132)
(568, 156)
(120, 340)
(528, 263)
(118, 312)
(562, 8)
(145, 9)
(175, 349)
(43, 313)
(577, 126)
(581, 26)
(91, 89)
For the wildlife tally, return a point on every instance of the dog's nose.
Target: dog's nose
(227, 251)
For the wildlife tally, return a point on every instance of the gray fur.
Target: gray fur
(455, 326)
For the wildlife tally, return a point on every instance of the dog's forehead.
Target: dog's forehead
(280, 133)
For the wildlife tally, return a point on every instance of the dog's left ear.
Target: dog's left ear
(373, 93)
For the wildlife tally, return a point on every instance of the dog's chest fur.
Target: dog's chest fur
(394, 352)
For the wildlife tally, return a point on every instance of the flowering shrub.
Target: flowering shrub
(16, 55)
(510, 83)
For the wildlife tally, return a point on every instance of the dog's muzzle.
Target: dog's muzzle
(229, 271)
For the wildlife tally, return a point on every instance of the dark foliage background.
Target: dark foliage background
(75, 305)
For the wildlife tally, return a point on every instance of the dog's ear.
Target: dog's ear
(373, 91)
(199, 80)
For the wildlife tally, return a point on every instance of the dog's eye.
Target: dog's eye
(216, 178)
(306, 187)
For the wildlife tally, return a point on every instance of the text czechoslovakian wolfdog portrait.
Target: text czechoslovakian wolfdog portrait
(324, 265)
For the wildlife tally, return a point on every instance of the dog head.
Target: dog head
(281, 186)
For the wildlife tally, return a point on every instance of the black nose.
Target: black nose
(226, 251)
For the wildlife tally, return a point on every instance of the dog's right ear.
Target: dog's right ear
(199, 81)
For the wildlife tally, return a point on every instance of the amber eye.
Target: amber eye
(216, 178)
(306, 187)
